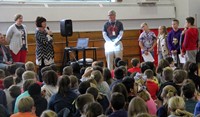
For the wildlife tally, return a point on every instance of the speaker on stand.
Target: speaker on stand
(66, 29)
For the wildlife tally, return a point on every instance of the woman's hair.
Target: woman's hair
(143, 115)
(120, 88)
(50, 78)
(168, 92)
(176, 105)
(39, 21)
(93, 109)
(48, 113)
(25, 104)
(137, 106)
(164, 30)
(97, 75)
(17, 16)
(64, 85)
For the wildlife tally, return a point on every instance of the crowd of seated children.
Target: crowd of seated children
(71, 96)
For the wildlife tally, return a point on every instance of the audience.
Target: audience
(64, 97)
(50, 87)
(176, 107)
(26, 108)
(137, 106)
(40, 103)
(117, 103)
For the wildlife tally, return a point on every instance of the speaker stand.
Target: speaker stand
(67, 41)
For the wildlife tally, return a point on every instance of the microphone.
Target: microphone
(49, 30)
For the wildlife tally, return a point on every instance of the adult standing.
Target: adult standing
(147, 40)
(44, 45)
(112, 34)
(16, 36)
(173, 40)
(190, 42)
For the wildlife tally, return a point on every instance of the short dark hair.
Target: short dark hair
(8, 81)
(2, 74)
(128, 83)
(134, 62)
(117, 101)
(188, 89)
(193, 67)
(44, 69)
(190, 20)
(50, 78)
(169, 59)
(119, 73)
(116, 61)
(98, 68)
(144, 67)
(121, 89)
(39, 21)
(68, 70)
(121, 63)
(83, 86)
(149, 73)
(15, 91)
(93, 91)
(175, 20)
(19, 71)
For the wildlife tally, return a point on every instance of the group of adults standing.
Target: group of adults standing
(16, 37)
(177, 41)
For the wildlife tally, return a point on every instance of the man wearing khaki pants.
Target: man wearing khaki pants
(112, 34)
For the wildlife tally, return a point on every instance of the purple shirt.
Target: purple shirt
(173, 40)
(147, 38)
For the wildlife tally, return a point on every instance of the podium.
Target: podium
(69, 50)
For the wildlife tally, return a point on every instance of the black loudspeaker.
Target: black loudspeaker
(66, 27)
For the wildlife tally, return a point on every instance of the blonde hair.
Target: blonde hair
(176, 105)
(168, 92)
(97, 75)
(48, 113)
(30, 66)
(28, 75)
(136, 106)
(144, 95)
(164, 30)
(25, 104)
(144, 24)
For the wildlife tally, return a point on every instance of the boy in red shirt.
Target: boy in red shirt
(136, 66)
(152, 87)
(190, 45)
